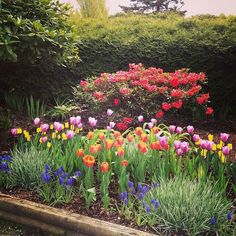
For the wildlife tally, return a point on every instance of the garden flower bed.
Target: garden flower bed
(164, 177)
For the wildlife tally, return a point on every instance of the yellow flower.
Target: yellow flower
(214, 147)
(59, 136)
(54, 135)
(219, 146)
(66, 125)
(72, 127)
(39, 130)
(25, 132)
(63, 126)
(51, 126)
(197, 143)
(64, 136)
(28, 138)
(49, 144)
(230, 145)
(222, 156)
(210, 137)
(204, 152)
(19, 131)
(77, 130)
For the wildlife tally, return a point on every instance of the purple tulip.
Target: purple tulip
(224, 137)
(109, 112)
(203, 144)
(172, 128)
(185, 147)
(225, 150)
(14, 131)
(163, 140)
(209, 145)
(179, 130)
(140, 118)
(36, 121)
(179, 151)
(70, 134)
(57, 126)
(44, 127)
(196, 138)
(44, 139)
(190, 129)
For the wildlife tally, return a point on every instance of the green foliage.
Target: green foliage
(93, 8)
(14, 101)
(169, 41)
(36, 31)
(35, 108)
(183, 205)
(27, 167)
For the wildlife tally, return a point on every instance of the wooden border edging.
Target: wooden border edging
(59, 222)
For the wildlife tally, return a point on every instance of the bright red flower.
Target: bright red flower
(99, 95)
(159, 114)
(124, 163)
(177, 104)
(83, 83)
(203, 98)
(88, 160)
(104, 167)
(174, 82)
(166, 106)
(209, 111)
(124, 91)
(176, 93)
(128, 120)
(116, 102)
(122, 126)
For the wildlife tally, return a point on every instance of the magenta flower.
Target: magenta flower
(203, 144)
(226, 150)
(172, 128)
(154, 121)
(140, 118)
(14, 131)
(70, 134)
(163, 140)
(224, 137)
(36, 121)
(109, 112)
(196, 137)
(190, 129)
(92, 121)
(80, 126)
(177, 144)
(57, 126)
(44, 127)
(209, 145)
(44, 139)
(185, 147)
(179, 130)
(112, 124)
(179, 151)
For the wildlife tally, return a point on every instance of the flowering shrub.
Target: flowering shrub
(150, 91)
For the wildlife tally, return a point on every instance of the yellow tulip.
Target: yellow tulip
(19, 131)
(66, 125)
(49, 144)
(72, 127)
(204, 152)
(230, 145)
(51, 126)
(210, 137)
(39, 130)
(59, 136)
(64, 136)
(214, 147)
(54, 135)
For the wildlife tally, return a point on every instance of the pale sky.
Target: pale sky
(193, 7)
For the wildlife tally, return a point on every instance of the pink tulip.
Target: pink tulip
(72, 120)
(140, 118)
(14, 131)
(185, 147)
(112, 124)
(108, 127)
(163, 140)
(57, 126)
(179, 130)
(44, 127)
(109, 112)
(80, 126)
(190, 129)
(224, 137)
(44, 139)
(36, 121)
(196, 137)
(226, 150)
(92, 121)
(150, 125)
(77, 120)
(179, 151)
(209, 145)
(172, 128)
(70, 134)
(203, 144)
(154, 121)
(177, 144)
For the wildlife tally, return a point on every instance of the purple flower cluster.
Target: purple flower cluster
(4, 160)
(124, 198)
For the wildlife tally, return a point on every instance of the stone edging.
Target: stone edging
(59, 222)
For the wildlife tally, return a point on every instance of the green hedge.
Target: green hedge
(202, 43)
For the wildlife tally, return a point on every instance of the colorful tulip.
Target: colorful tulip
(44, 127)
(124, 163)
(224, 137)
(109, 112)
(179, 130)
(172, 128)
(196, 138)
(104, 167)
(14, 131)
(36, 121)
(140, 118)
(70, 134)
(226, 150)
(80, 152)
(89, 160)
(190, 129)
(92, 121)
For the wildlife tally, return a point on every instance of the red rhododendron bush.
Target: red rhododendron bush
(145, 91)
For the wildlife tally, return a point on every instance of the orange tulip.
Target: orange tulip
(104, 167)
(101, 136)
(99, 147)
(124, 163)
(155, 145)
(142, 147)
(90, 135)
(120, 152)
(144, 137)
(120, 141)
(116, 134)
(109, 143)
(80, 152)
(93, 149)
(130, 138)
(89, 160)
(155, 130)
(138, 131)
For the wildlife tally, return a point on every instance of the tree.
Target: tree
(36, 32)
(93, 8)
(149, 6)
